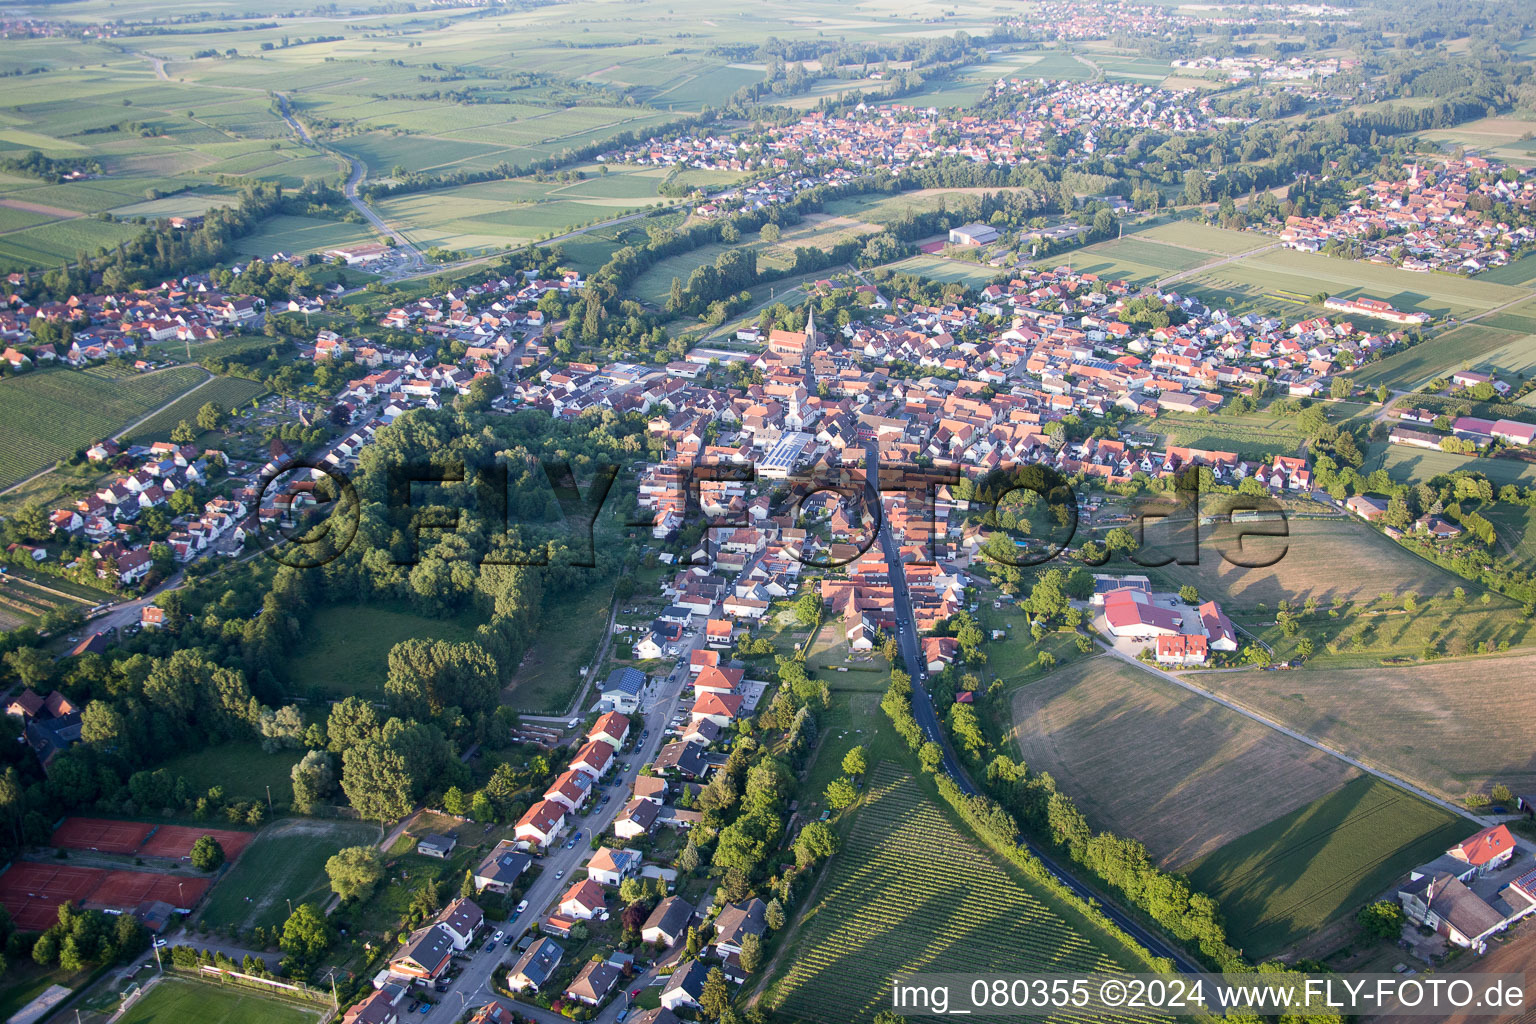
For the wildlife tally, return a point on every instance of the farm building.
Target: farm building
(1131, 613)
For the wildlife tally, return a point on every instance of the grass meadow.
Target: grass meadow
(1287, 879)
(229, 392)
(346, 647)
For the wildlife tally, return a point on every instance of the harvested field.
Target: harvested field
(1146, 759)
(104, 835)
(1325, 559)
(1453, 727)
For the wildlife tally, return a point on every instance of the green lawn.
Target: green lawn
(346, 646)
(1287, 879)
(243, 769)
(182, 1001)
(287, 861)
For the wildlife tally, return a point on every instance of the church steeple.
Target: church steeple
(810, 324)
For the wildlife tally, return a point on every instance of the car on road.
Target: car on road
(559, 875)
(507, 941)
(577, 837)
(522, 906)
(498, 936)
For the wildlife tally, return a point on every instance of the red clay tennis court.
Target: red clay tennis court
(104, 835)
(177, 840)
(123, 890)
(32, 892)
(101, 835)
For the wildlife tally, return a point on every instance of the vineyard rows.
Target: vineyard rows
(229, 392)
(907, 893)
(47, 415)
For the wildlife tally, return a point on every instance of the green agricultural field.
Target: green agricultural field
(1413, 465)
(1250, 437)
(182, 1001)
(1190, 234)
(287, 861)
(47, 415)
(1287, 879)
(888, 906)
(937, 268)
(1520, 272)
(1286, 270)
(1460, 348)
(346, 646)
(300, 235)
(229, 392)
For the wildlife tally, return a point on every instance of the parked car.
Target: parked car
(498, 936)
(522, 906)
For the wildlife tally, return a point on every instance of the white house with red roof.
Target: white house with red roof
(570, 790)
(541, 823)
(584, 900)
(722, 681)
(611, 728)
(595, 759)
(939, 651)
(722, 709)
(1488, 850)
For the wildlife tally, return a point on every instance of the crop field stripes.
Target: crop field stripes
(910, 892)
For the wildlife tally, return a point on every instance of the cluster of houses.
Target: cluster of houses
(1250, 67)
(188, 309)
(1471, 892)
(149, 476)
(1439, 216)
(1067, 20)
(1182, 636)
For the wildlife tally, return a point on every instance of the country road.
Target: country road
(923, 711)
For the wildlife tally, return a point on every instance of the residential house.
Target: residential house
(535, 967)
(736, 922)
(499, 871)
(610, 866)
(541, 823)
(593, 982)
(685, 986)
(462, 918)
(668, 922)
(584, 900)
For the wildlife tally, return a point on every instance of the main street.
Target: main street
(923, 711)
(659, 703)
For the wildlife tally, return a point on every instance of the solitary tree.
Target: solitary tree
(354, 871)
(207, 854)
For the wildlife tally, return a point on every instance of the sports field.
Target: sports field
(1401, 717)
(105, 835)
(889, 906)
(1287, 879)
(47, 414)
(182, 1001)
(1145, 759)
(287, 861)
